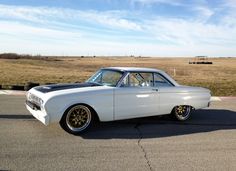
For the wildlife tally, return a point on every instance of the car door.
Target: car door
(167, 93)
(136, 97)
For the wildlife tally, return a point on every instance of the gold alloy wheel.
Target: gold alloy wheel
(182, 112)
(78, 118)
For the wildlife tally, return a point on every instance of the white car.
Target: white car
(114, 93)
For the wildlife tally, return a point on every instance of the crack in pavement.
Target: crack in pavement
(142, 148)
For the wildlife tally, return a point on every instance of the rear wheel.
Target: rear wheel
(182, 112)
(77, 119)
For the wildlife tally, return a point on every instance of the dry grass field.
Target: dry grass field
(220, 77)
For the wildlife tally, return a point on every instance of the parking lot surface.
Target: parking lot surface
(206, 142)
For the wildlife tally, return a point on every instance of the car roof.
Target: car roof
(133, 69)
(140, 69)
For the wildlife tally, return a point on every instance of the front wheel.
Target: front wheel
(182, 112)
(77, 119)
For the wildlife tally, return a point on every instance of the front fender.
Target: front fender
(102, 104)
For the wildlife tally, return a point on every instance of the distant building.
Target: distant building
(200, 60)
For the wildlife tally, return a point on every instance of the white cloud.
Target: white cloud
(204, 13)
(191, 33)
(229, 19)
(230, 3)
(111, 19)
(21, 30)
(53, 31)
(169, 2)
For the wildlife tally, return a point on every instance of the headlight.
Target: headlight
(40, 101)
(28, 95)
(31, 97)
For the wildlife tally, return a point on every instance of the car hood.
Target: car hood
(58, 87)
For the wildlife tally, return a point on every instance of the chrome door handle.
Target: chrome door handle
(155, 89)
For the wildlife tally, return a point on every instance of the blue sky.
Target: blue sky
(119, 27)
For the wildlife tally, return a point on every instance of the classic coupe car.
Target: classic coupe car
(114, 93)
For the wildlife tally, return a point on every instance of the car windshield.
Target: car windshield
(106, 77)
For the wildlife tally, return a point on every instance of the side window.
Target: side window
(160, 81)
(136, 79)
(110, 78)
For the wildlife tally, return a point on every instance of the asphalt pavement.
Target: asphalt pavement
(206, 142)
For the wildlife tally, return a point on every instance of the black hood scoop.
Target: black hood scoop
(57, 87)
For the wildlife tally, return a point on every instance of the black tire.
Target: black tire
(77, 119)
(182, 112)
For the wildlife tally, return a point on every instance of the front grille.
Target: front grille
(32, 105)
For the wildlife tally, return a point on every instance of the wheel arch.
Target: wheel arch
(87, 105)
